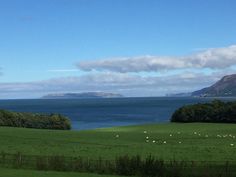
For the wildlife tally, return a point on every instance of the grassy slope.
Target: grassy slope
(132, 140)
(4, 172)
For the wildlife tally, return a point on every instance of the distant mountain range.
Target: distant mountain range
(225, 87)
(82, 95)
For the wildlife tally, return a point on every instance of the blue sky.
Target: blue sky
(57, 40)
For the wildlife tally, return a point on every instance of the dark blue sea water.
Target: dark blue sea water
(96, 113)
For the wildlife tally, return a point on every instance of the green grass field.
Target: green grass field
(6, 172)
(192, 141)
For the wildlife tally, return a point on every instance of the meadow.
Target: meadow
(208, 143)
(191, 141)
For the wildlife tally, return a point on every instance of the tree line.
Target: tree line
(34, 120)
(216, 111)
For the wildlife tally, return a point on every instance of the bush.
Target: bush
(30, 120)
(216, 111)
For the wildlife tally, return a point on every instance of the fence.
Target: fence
(122, 165)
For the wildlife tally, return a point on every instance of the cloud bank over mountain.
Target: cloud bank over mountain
(127, 84)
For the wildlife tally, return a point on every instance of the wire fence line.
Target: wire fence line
(121, 165)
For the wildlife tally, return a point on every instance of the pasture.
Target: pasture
(171, 141)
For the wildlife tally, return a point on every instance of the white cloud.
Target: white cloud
(215, 58)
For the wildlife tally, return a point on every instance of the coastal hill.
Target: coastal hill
(82, 95)
(224, 87)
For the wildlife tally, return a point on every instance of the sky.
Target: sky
(131, 47)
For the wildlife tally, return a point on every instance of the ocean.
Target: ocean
(107, 112)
